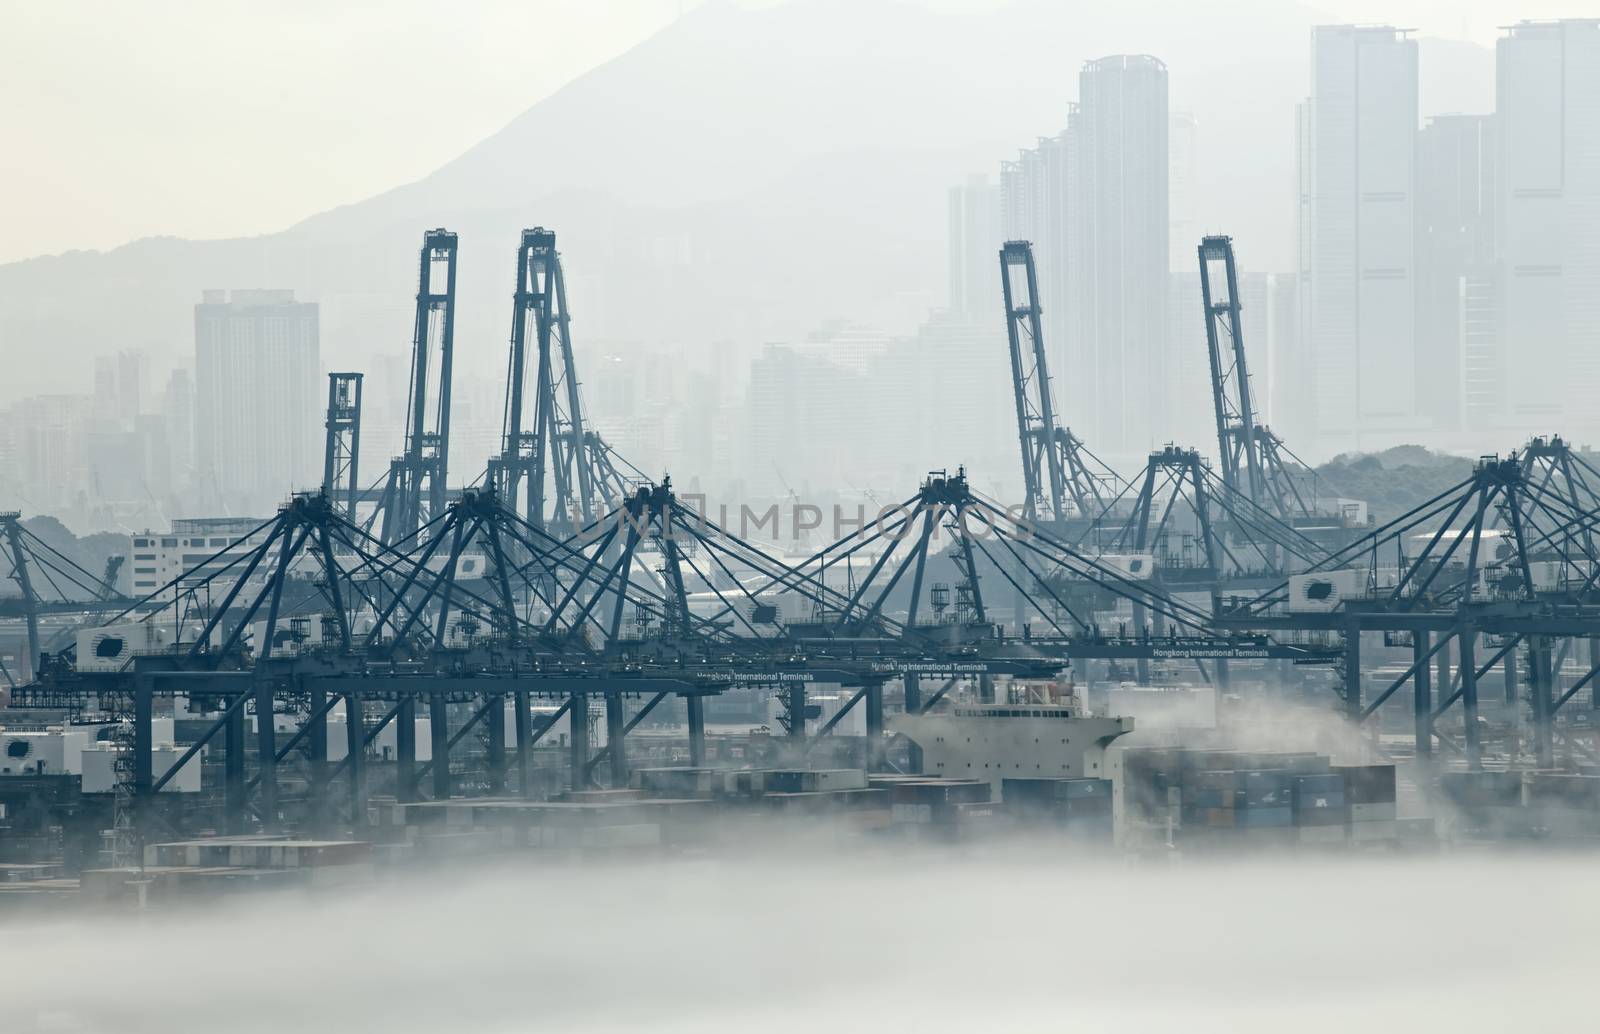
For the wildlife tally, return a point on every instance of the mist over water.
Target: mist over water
(1021, 937)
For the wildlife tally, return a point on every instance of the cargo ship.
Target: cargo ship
(995, 742)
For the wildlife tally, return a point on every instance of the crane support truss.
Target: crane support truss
(1061, 477)
(1505, 560)
(342, 447)
(1253, 458)
(416, 492)
(1201, 530)
(48, 582)
(479, 611)
(560, 474)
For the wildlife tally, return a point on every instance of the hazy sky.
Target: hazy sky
(234, 117)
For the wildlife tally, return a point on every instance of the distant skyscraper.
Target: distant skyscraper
(1360, 144)
(1123, 130)
(1094, 202)
(49, 452)
(257, 394)
(1183, 161)
(177, 407)
(852, 347)
(1286, 395)
(1483, 360)
(1192, 421)
(947, 352)
(130, 384)
(1455, 249)
(1548, 221)
(1302, 387)
(1040, 202)
(803, 412)
(974, 237)
(105, 385)
(119, 386)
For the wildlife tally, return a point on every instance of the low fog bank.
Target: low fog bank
(1008, 939)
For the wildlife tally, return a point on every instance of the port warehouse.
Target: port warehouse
(568, 625)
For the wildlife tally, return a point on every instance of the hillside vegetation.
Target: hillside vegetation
(1394, 480)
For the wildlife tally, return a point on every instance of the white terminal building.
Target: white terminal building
(204, 556)
(157, 559)
(84, 750)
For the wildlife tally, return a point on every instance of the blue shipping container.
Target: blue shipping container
(1257, 818)
(1327, 783)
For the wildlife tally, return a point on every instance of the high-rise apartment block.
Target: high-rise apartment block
(256, 396)
(974, 240)
(1094, 202)
(1359, 178)
(1547, 223)
(1455, 269)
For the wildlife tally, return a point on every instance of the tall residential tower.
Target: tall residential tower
(256, 396)
(1093, 200)
(1359, 146)
(1547, 216)
(1124, 124)
(1456, 346)
(974, 239)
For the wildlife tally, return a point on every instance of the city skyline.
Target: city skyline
(1440, 277)
(258, 394)
(493, 89)
(664, 244)
(821, 466)
(1409, 313)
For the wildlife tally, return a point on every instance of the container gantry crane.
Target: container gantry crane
(415, 492)
(1251, 455)
(1506, 560)
(342, 447)
(1061, 477)
(559, 473)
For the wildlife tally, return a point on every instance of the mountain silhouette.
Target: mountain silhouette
(744, 175)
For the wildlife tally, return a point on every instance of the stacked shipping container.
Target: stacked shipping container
(1197, 798)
